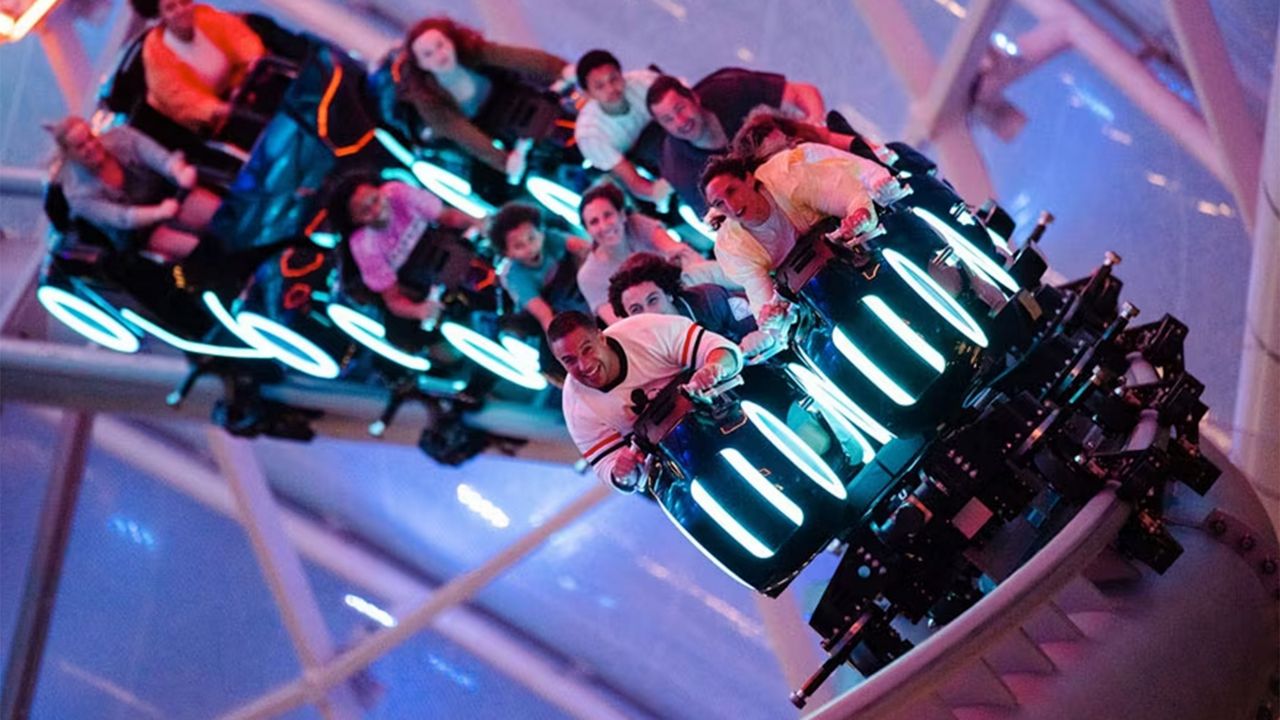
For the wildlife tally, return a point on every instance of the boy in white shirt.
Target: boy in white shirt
(613, 119)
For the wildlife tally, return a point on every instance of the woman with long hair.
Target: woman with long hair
(447, 72)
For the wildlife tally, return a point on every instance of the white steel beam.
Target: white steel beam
(381, 579)
(65, 51)
(948, 96)
(1132, 77)
(22, 182)
(1236, 135)
(1255, 443)
(1035, 47)
(49, 373)
(281, 568)
(291, 695)
(905, 50)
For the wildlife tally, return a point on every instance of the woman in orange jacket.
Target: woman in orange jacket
(194, 57)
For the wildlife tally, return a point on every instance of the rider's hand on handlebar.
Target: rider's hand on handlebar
(855, 224)
(183, 173)
(627, 466)
(774, 315)
(758, 343)
(168, 208)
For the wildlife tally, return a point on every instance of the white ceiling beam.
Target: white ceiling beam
(1236, 135)
(907, 53)
(1255, 436)
(384, 580)
(281, 568)
(46, 373)
(290, 695)
(949, 94)
(1132, 77)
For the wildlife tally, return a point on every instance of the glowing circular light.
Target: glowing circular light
(451, 189)
(977, 260)
(701, 548)
(691, 218)
(191, 346)
(88, 319)
(398, 174)
(372, 334)
(287, 346)
(894, 322)
(820, 387)
(555, 197)
(800, 454)
(274, 339)
(867, 366)
(520, 349)
(938, 299)
(724, 519)
(493, 357)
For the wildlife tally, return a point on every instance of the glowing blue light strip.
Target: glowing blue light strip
(452, 189)
(555, 197)
(800, 454)
(938, 299)
(722, 517)
(301, 354)
(972, 256)
(999, 240)
(449, 187)
(520, 349)
(88, 319)
(190, 346)
(251, 329)
(705, 553)
(689, 216)
(372, 334)
(817, 384)
(393, 146)
(867, 367)
(325, 240)
(493, 357)
(761, 484)
(841, 425)
(894, 322)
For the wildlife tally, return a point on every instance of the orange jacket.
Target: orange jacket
(175, 89)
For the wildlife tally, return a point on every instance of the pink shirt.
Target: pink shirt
(380, 251)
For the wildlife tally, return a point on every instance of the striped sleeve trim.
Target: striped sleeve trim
(691, 339)
(607, 440)
(607, 452)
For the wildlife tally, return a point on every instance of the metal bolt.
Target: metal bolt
(1269, 566)
(1218, 526)
(1247, 543)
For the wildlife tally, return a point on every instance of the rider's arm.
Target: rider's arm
(598, 442)
(453, 125)
(651, 190)
(541, 311)
(530, 62)
(402, 305)
(831, 185)
(746, 264)
(804, 100)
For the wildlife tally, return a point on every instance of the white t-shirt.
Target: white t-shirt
(208, 62)
(654, 349)
(604, 138)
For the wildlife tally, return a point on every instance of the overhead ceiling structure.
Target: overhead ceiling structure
(1150, 128)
